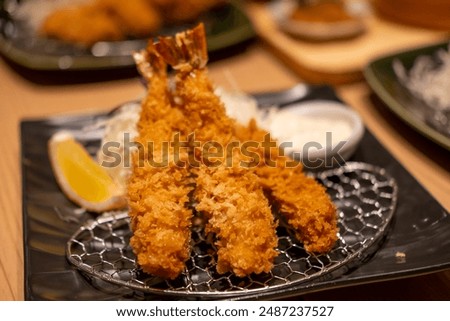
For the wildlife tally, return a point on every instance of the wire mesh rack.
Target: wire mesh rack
(365, 197)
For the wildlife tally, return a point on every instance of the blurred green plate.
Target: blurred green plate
(225, 26)
(382, 79)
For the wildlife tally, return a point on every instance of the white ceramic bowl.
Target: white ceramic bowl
(322, 132)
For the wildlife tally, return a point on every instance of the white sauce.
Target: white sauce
(288, 126)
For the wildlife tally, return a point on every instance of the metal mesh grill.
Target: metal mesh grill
(365, 197)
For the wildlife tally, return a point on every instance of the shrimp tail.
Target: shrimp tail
(149, 62)
(186, 50)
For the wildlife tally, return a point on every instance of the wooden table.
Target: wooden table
(26, 94)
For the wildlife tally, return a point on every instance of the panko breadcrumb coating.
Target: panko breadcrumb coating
(233, 194)
(160, 220)
(240, 216)
(300, 199)
(158, 195)
(305, 205)
(229, 195)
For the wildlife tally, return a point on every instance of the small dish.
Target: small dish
(318, 30)
(320, 133)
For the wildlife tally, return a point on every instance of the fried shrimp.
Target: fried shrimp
(212, 175)
(300, 199)
(227, 193)
(305, 205)
(158, 187)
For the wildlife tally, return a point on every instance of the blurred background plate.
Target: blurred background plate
(226, 26)
(328, 61)
(383, 80)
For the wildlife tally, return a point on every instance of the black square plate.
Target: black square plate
(420, 228)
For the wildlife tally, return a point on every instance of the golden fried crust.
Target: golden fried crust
(228, 195)
(305, 205)
(157, 190)
(240, 217)
(300, 199)
(160, 220)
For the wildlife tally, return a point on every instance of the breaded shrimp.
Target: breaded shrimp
(305, 205)
(158, 188)
(300, 199)
(228, 194)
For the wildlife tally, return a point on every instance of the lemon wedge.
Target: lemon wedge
(80, 177)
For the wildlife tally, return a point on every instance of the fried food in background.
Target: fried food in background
(176, 11)
(83, 25)
(137, 18)
(112, 20)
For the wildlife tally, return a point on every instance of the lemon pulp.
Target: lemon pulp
(86, 178)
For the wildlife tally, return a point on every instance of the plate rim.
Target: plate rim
(371, 72)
